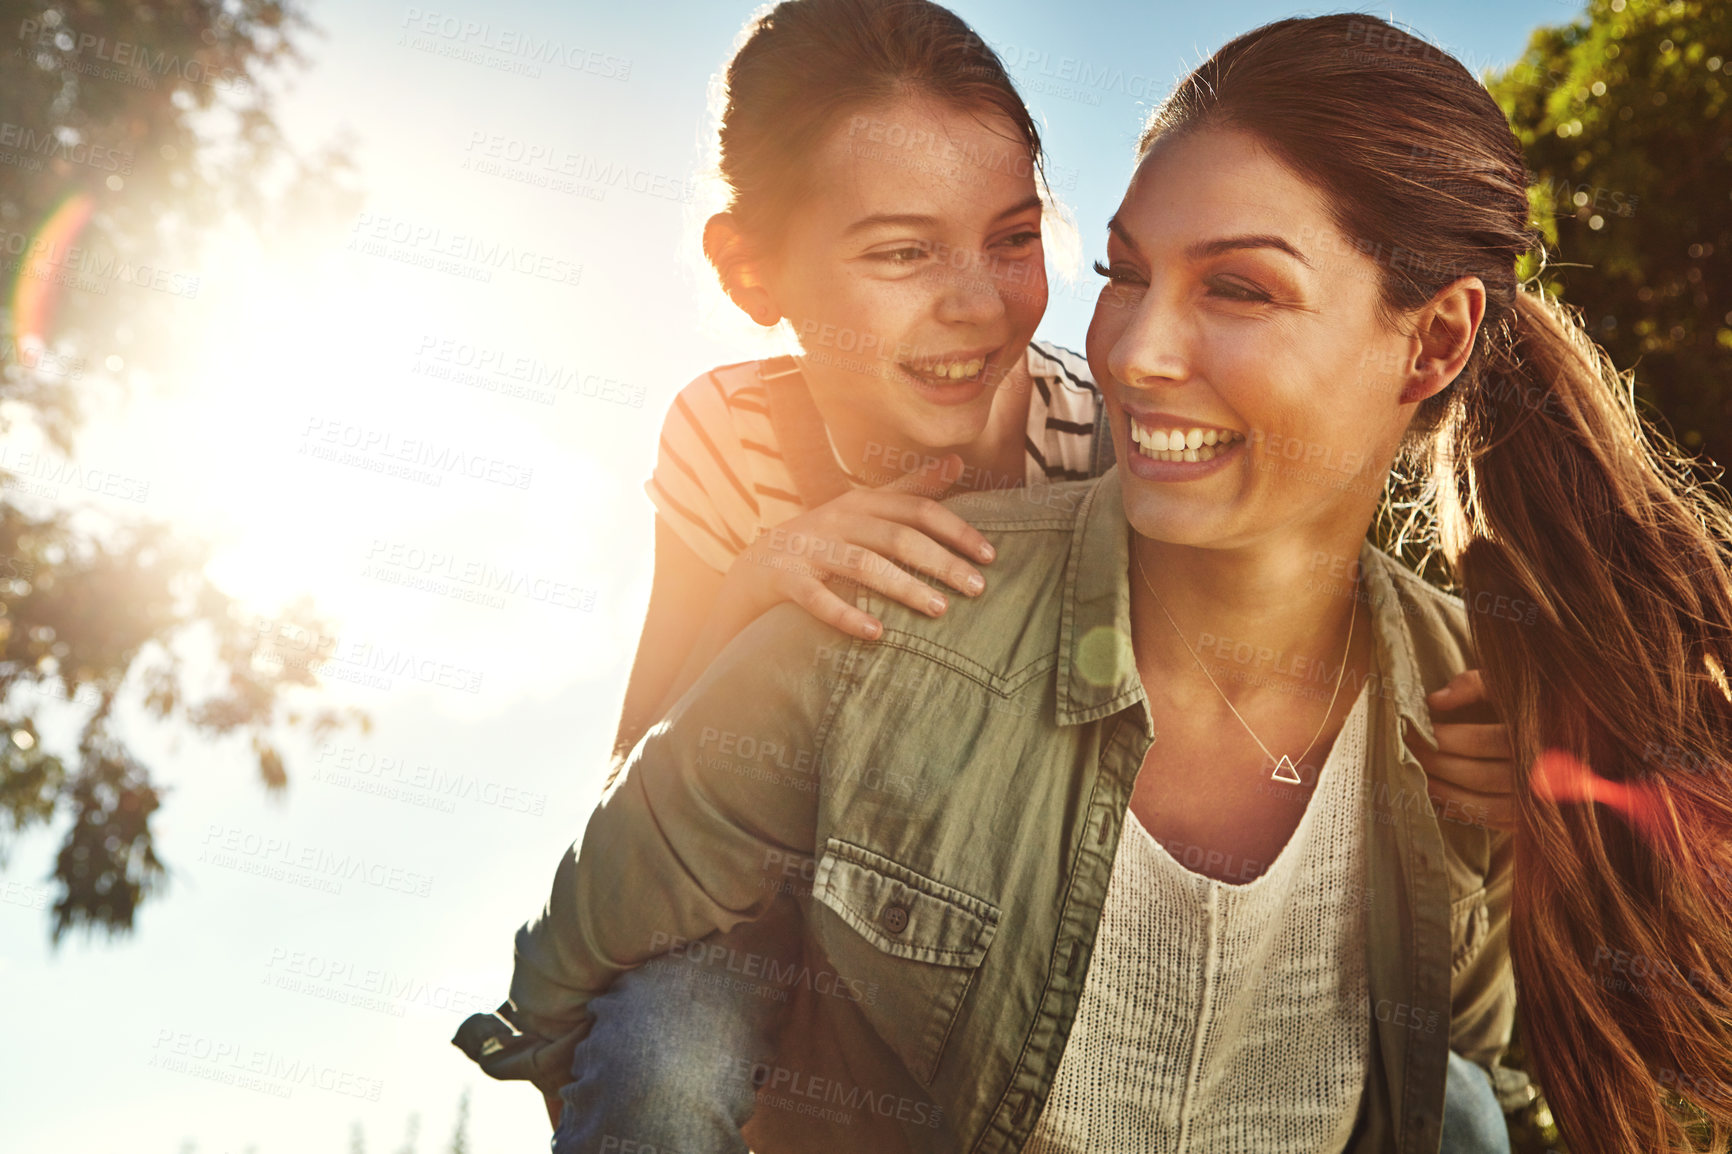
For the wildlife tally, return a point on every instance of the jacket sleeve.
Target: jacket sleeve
(689, 841)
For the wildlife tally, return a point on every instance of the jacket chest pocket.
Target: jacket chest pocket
(906, 946)
(1468, 923)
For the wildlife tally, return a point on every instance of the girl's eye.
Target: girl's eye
(1021, 239)
(907, 254)
(1118, 274)
(1236, 290)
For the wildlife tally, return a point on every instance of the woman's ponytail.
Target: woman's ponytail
(1555, 496)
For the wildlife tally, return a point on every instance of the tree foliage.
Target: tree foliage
(127, 130)
(1623, 116)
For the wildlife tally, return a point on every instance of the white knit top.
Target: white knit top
(1226, 1019)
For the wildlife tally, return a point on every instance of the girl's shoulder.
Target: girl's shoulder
(1068, 370)
(723, 391)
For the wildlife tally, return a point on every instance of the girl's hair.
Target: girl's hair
(805, 64)
(1540, 482)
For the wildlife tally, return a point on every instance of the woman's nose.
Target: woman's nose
(1151, 348)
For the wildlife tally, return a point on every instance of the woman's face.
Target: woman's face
(914, 275)
(1253, 386)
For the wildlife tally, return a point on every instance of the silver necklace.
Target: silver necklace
(1285, 770)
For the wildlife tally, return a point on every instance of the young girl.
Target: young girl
(901, 242)
(886, 204)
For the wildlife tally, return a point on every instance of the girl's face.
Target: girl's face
(914, 275)
(1253, 386)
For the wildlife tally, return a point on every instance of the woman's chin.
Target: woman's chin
(1172, 520)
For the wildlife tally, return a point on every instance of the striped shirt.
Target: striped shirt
(720, 477)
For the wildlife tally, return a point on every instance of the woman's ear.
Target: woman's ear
(1445, 328)
(738, 266)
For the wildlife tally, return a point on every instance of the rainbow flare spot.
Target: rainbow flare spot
(36, 290)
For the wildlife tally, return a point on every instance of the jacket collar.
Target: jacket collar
(1099, 677)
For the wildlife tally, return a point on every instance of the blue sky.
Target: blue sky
(313, 954)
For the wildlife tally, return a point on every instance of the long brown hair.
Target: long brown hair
(1540, 481)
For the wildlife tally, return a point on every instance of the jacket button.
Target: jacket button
(895, 918)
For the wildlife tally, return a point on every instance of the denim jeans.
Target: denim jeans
(668, 1064)
(1473, 1121)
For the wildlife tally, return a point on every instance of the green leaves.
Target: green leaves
(1623, 115)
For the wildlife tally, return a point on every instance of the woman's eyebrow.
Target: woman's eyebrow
(1207, 248)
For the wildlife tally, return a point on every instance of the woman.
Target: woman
(1268, 815)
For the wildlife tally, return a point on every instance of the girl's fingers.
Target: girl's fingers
(935, 522)
(1463, 690)
(878, 574)
(1453, 803)
(1489, 742)
(818, 599)
(1493, 778)
(891, 541)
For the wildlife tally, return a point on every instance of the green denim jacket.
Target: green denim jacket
(961, 785)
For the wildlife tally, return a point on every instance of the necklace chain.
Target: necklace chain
(1282, 763)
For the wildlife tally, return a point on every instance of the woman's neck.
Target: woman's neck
(1272, 618)
(993, 460)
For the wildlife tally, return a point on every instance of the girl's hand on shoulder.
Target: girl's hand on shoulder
(1472, 773)
(870, 536)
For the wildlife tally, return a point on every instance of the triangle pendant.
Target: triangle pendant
(1286, 771)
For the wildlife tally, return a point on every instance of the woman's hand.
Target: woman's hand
(865, 536)
(1472, 774)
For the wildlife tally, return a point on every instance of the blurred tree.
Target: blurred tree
(460, 1133)
(127, 131)
(1623, 114)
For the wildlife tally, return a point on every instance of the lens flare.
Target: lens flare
(1560, 777)
(36, 290)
